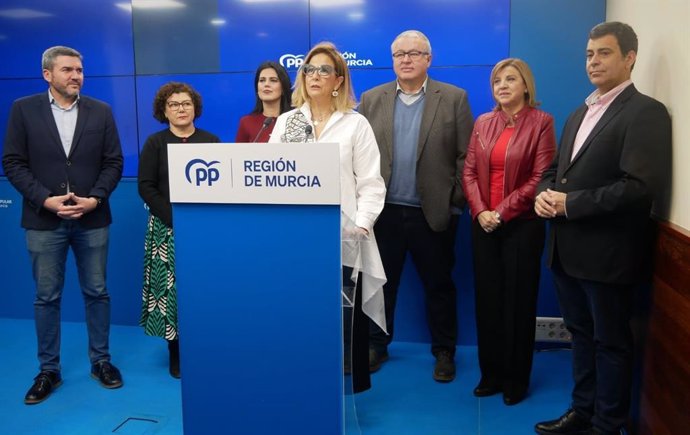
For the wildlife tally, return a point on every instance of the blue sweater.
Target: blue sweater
(402, 189)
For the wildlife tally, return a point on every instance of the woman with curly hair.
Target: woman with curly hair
(178, 105)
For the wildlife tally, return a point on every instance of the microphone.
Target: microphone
(307, 131)
(264, 126)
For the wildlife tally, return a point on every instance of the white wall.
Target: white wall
(662, 71)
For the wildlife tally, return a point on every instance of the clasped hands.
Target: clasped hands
(70, 206)
(550, 204)
(489, 220)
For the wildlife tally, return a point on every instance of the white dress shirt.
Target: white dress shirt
(362, 195)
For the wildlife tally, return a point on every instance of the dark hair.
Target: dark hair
(625, 35)
(284, 84)
(165, 91)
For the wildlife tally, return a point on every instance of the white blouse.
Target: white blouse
(362, 192)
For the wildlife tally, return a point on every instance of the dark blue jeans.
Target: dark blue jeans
(48, 250)
(598, 317)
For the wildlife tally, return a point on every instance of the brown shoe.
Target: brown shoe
(444, 370)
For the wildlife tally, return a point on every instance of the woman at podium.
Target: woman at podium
(178, 105)
(324, 101)
(272, 88)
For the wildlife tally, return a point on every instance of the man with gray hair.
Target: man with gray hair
(62, 153)
(422, 127)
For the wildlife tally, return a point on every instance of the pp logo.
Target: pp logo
(202, 172)
(291, 60)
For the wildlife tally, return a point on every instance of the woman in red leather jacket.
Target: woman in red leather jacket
(509, 149)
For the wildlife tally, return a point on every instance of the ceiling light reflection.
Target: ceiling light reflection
(23, 13)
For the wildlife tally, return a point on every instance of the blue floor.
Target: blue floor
(404, 398)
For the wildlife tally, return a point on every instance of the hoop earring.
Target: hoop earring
(334, 93)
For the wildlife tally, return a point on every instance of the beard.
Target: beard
(67, 91)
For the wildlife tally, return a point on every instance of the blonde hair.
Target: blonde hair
(527, 77)
(346, 95)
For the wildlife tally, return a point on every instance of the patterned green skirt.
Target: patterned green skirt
(159, 308)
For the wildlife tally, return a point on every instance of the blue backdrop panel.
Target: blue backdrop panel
(461, 32)
(255, 31)
(562, 84)
(116, 91)
(556, 52)
(100, 30)
(125, 265)
(168, 39)
(259, 298)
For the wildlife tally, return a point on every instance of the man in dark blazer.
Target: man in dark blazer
(598, 193)
(62, 153)
(422, 128)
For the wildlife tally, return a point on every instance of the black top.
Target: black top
(154, 186)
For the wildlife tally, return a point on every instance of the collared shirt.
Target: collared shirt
(597, 105)
(410, 98)
(66, 121)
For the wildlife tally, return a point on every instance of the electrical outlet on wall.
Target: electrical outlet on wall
(552, 329)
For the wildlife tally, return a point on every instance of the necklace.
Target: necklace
(319, 119)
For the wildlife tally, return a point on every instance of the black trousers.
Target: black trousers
(402, 229)
(506, 273)
(598, 317)
(356, 339)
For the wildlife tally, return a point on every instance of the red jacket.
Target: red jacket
(530, 151)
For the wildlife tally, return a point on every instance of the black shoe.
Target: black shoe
(44, 384)
(485, 389)
(511, 399)
(174, 360)
(376, 358)
(444, 370)
(107, 374)
(570, 423)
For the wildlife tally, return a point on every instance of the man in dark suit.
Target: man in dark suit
(598, 194)
(62, 153)
(422, 128)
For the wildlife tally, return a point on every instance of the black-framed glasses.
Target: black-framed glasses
(413, 54)
(175, 105)
(323, 70)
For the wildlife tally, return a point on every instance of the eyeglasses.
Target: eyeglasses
(323, 70)
(414, 54)
(175, 105)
